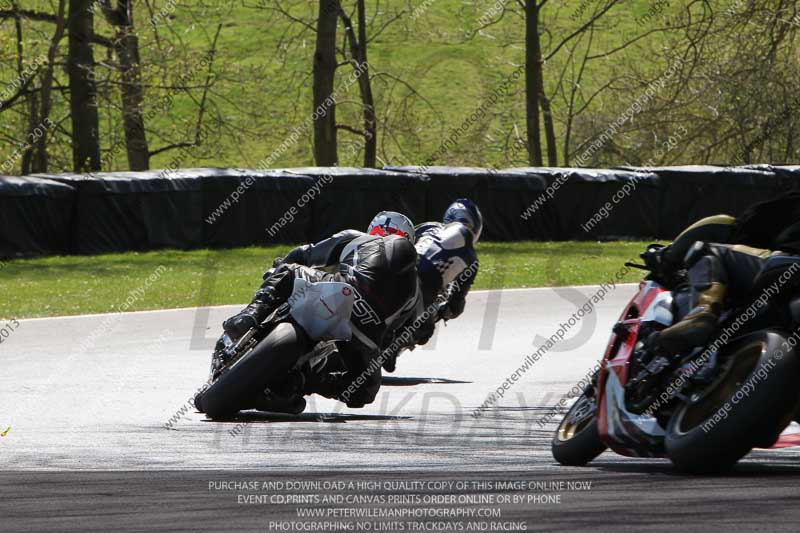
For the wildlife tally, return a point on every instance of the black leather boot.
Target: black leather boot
(696, 328)
(259, 309)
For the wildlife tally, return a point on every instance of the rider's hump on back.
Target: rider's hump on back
(401, 256)
(383, 270)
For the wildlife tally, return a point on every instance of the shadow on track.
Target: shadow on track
(394, 381)
(257, 417)
(745, 469)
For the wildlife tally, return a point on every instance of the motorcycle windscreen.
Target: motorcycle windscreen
(322, 309)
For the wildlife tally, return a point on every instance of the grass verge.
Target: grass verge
(165, 279)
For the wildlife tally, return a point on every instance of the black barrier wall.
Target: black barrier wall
(498, 193)
(189, 208)
(219, 208)
(689, 193)
(36, 216)
(349, 197)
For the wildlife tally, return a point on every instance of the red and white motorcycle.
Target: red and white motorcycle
(704, 410)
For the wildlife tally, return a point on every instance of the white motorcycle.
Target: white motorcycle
(296, 338)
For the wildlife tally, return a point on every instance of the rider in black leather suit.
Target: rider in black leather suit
(382, 272)
(724, 258)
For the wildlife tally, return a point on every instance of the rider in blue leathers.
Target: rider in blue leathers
(447, 267)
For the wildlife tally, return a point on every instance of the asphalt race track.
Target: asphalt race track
(85, 403)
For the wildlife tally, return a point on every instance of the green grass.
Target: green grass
(69, 285)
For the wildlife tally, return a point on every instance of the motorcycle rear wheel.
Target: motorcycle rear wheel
(237, 388)
(734, 413)
(577, 440)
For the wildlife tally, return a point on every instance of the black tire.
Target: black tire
(702, 439)
(237, 388)
(577, 441)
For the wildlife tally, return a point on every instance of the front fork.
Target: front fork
(227, 352)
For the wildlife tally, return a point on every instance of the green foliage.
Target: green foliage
(430, 67)
(56, 286)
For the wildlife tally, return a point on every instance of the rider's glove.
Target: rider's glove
(654, 257)
(652, 344)
(445, 312)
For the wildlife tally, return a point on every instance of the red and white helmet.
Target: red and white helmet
(392, 223)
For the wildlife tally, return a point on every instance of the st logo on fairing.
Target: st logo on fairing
(363, 311)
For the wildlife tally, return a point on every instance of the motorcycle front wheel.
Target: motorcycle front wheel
(270, 360)
(577, 441)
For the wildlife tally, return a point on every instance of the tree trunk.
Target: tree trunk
(29, 162)
(126, 47)
(368, 101)
(358, 48)
(30, 99)
(324, 112)
(549, 130)
(533, 81)
(547, 116)
(132, 98)
(82, 87)
(39, 162)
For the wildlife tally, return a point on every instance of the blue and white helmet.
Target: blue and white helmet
(466, 212)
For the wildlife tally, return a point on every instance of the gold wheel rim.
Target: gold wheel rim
(575, 422)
